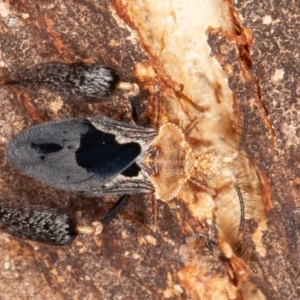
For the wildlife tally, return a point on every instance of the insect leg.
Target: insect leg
(121, 185)
(118, 206)
(242, 205)
(97, 227)
(92, 81)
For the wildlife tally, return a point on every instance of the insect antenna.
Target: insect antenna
(244, 108)
(242, 206)
(47, 224)
(242, 123)
(234, 227)
(244, 128)
(240, 203)
(245, 124)
(92, 81)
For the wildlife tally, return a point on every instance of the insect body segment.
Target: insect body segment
(96, 156)
(167, 162)
(171, 162)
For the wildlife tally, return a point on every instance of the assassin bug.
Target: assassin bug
(99, 156)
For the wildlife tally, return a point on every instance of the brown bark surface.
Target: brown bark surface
(275, 51)
(182, 259)
(267, 43)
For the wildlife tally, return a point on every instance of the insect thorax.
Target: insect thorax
(167, 162)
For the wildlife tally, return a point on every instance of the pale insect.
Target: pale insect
(175, 160)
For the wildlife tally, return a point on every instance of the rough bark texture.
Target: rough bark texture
(275, 28)
(129, 261)
(272, 55)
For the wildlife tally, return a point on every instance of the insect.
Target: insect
(49, 225)
(100, 156)
(90, 81)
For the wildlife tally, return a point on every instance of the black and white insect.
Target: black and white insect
(90, 81)
(100, 156)
(50, 225)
